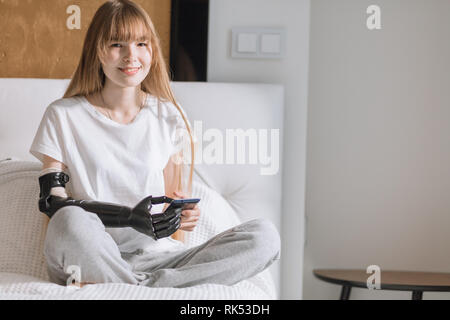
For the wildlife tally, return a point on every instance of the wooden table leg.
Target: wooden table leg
(345, 292)
(417, 295)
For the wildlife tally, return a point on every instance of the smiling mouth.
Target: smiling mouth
(130, 71)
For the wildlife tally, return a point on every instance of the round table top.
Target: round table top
(390, 280)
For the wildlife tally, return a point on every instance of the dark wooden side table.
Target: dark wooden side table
(417, 282)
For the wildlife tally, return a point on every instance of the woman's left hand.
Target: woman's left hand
(189, 218)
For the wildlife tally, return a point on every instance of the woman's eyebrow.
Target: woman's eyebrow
(122, 41)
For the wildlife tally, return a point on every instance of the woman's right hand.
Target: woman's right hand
(158, 225)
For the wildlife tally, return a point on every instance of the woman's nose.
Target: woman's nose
(130, 53)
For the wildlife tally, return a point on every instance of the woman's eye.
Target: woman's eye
(118, 45)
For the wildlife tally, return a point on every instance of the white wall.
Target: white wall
(292, 72)
(378, 156)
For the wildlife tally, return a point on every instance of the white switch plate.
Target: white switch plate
(258, 42)
(247, 42)
(270, 43)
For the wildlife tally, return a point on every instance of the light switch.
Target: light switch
(270, 43)
(258, 42)
(247, 42)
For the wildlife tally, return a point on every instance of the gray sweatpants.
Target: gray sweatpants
(76, 237)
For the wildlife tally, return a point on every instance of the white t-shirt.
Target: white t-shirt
(112, 162)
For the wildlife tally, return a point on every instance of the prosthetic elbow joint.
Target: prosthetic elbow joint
(46, 183)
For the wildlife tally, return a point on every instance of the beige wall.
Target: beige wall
(35, 42)
(378, 157)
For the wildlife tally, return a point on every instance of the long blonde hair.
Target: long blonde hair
(124, 20)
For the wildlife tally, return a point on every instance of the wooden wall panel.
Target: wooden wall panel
(35, 41)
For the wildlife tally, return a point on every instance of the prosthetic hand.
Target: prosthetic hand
(112, 215)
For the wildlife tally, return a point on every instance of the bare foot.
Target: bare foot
(80, 285)
(85, 283)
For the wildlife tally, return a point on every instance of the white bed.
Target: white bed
(230, 193)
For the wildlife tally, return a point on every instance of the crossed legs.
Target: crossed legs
(77, 237)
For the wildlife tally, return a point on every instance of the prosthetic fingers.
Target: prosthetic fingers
(112, 215)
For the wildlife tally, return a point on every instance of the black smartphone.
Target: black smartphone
(185, 204)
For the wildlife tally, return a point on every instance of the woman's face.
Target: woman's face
(136, 55)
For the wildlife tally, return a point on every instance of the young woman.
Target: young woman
(115, 133)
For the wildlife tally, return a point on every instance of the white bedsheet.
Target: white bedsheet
(18, 286)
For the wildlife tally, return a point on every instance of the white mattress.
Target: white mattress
(18, 286)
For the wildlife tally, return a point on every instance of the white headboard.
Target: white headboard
(258, 107)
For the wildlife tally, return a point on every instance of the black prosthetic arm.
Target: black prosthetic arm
(112, 215)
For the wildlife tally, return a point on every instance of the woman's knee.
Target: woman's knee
(73, 217)
(72, 226)
(77, 238)
(265, 238)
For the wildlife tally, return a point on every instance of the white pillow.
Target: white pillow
(22, 225)
(22, 230)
